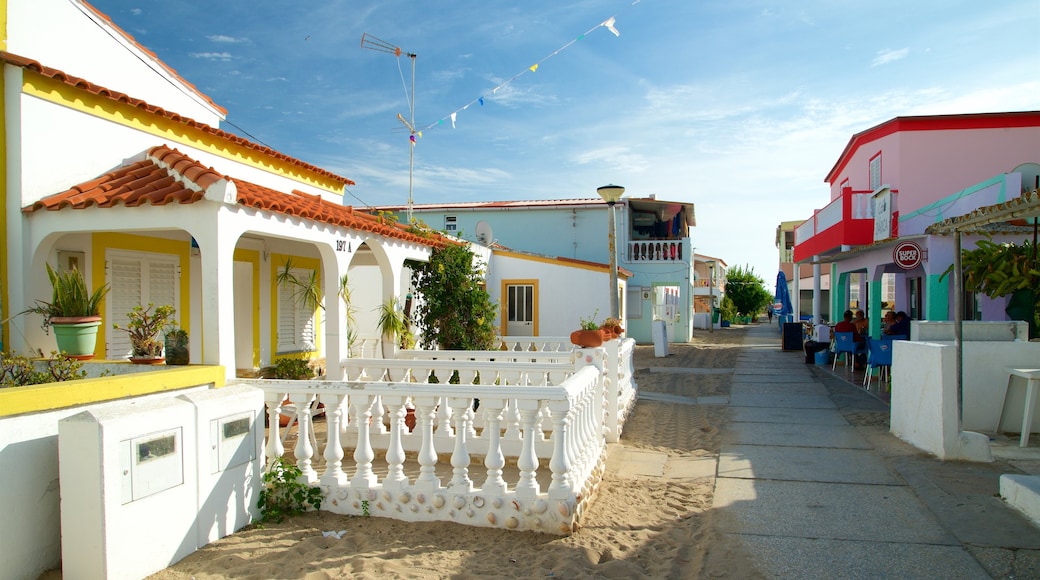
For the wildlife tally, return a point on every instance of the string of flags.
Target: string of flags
(609, 24)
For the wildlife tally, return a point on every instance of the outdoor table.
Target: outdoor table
(1032, 378)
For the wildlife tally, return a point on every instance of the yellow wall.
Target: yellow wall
(102, 242)
(277, 263)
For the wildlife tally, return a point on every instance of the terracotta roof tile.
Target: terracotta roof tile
(168, 176)
(100, 91)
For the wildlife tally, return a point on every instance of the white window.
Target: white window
(450, 223)
(295, 317)
(875, 172)
(138, 278)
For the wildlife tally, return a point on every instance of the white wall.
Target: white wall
(29, 478)
(924, 393)
(65, 35)
(565, 294)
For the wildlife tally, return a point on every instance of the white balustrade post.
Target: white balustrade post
(273, 450)
(364, 477)
(304, 450)
(527, 462)
(334, 475)
(426, 413)
(560, 465)
(494, 461)
(611, 389)
(378, 412)
(460, 481)
(395, 477)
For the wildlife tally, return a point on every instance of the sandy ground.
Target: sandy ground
(636, 527)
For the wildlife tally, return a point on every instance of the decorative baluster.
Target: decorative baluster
(560, 464)
(378, 412)
(444, 429)
(527, 462)
(395, 477)
(460, 481)
(304, 450)
(334, 475)
(364, 477)
(512, 420)
(426, 413)
(494, 461)
(274, 449)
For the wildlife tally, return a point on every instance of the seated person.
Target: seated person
(901, 326)
(889, 320)
(847, 325)
(861, 323)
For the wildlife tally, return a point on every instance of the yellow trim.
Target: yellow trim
(104, 241)
(5, 278)
(277, 262)
(505, 299)
(125, 114)
(52, 396)
(555, 261)
(253, 257)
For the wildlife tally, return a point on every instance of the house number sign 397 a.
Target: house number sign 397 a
(907, 255)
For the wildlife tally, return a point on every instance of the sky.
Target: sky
(739, 107)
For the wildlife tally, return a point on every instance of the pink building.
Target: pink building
(894, 180)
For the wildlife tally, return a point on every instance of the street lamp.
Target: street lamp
(611, 194)
(711, 296)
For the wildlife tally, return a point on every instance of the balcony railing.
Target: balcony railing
(847, 220)
(552, 417)
(655, 251)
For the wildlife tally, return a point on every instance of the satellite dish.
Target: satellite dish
(484, 236)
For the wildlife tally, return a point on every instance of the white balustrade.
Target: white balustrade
(554, 419)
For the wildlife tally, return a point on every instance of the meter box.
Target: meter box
(151, 463)
(129, 489)
(230, 426)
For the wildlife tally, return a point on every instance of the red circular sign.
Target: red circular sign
(907, 255)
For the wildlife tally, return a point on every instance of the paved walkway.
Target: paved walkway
(815, 486)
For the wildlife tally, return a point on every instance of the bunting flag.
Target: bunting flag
(609, 24)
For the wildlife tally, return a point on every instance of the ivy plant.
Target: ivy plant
(283, 494)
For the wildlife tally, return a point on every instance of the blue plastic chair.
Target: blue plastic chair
(879, 354)
(843, 344)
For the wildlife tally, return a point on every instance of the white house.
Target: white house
(115, 163)
(659, 277)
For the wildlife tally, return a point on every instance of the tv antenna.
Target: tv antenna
(372, 43)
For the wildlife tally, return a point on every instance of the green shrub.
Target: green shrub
(283, 494)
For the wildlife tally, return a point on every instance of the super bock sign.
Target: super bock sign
(907, 255)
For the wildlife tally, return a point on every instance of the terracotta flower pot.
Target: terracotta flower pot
(587, 338)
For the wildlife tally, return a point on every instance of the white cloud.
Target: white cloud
(226, 39)
(221, 56)
(887, 55)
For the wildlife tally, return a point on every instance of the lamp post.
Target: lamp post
(711, 296)
(611, 194)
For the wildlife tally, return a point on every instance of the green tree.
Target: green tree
(746, 290)
(455, 311)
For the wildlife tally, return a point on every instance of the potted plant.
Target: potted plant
(177, 347)
(612, 328)
(393, 326)
(1005, 269)
(74, 312)
(590, 334)
(144, 325)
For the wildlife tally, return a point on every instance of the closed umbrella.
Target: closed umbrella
(782, 305)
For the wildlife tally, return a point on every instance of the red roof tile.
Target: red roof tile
(100, 91)
(168, 176)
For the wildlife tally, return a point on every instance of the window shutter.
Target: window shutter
(138, 278)
(296, 321)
